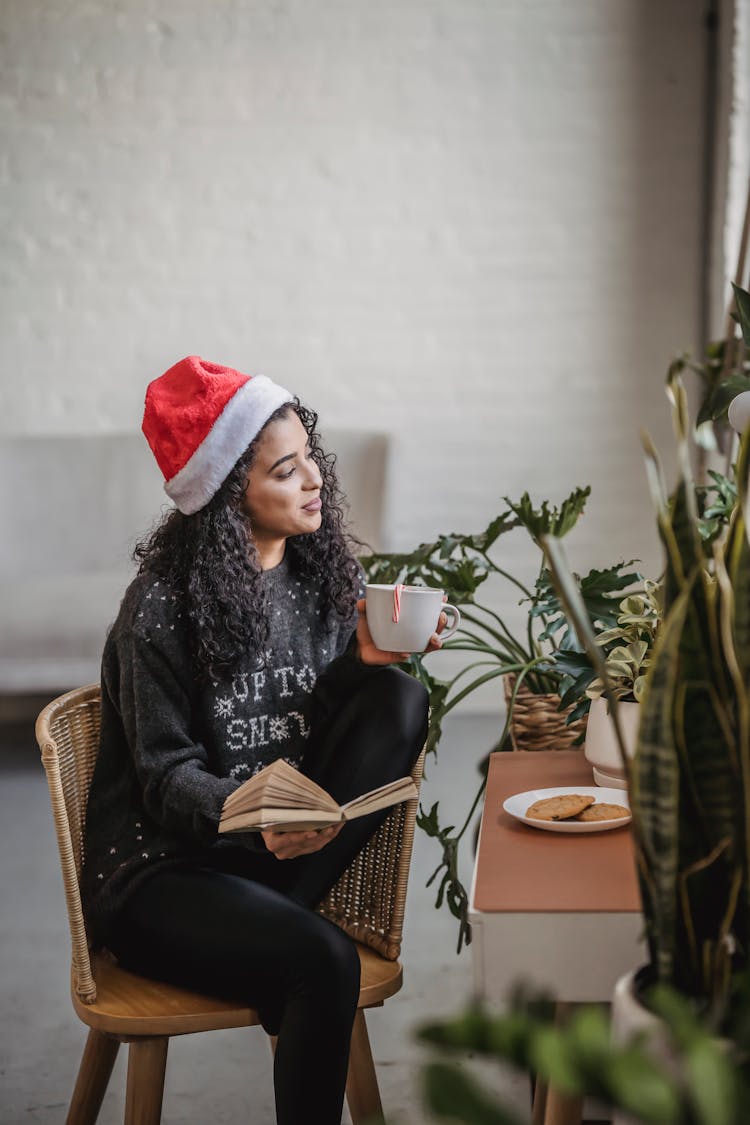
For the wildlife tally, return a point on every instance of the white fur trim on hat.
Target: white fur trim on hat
(240, 421)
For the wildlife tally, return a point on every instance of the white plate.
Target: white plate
(519, 802)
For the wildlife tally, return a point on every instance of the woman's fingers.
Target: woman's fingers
(289, 845)
(435, 642)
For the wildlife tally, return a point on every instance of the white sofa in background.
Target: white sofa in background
(71, 509)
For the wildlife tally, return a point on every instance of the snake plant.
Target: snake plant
(690, 778)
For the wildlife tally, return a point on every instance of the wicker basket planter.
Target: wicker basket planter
(536, 723)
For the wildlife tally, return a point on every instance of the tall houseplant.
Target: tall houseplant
(690, 779)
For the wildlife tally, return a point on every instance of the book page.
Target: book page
(386, 795)
(279, 820)
(279, 786)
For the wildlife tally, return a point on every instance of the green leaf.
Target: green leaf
(716, 504)
(716, 403)
(742, 301)
(575, 609)
(474, 1030)
(554, 1058)
(599, 590)
(549, 520)
(502, 524)
(677, 1012)
(453, 1095)
(571, 662)
(576, 687)
(590, 1035)
(438, 700)
(428, 822)
(712, 1082)
(636, 1084)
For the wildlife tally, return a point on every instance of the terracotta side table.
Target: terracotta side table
(559, 912)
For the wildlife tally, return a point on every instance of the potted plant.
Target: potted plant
(543, 668)
(626, 649)
(544, 658)
(689, 781)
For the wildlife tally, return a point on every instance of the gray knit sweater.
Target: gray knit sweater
(171, 750)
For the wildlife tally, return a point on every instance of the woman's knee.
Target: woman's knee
(330, 961)
(396, 693)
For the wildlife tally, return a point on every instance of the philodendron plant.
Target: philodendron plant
(689, 781)
(460, 564)
(544, 654)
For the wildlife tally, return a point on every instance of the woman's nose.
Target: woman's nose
(314, 479)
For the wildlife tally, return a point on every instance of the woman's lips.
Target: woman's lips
(313, 506)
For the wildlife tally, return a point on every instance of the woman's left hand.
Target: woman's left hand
(289, 845)
(369, 653)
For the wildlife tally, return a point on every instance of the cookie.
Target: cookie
(559, 808)
(603, 812)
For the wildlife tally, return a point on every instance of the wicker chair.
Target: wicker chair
(121, 1007)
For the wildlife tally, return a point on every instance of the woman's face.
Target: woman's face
(282, 496)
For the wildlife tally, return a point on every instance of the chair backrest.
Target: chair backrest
(368, 902)
(67, 731)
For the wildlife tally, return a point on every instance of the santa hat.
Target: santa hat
(199, 420)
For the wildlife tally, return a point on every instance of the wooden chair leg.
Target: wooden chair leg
(559, 1108)
(539, 1105)
(147, 1063)
(97, 1061)
(562, 1109)
(362, 1093)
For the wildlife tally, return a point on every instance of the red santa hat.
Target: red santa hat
(199, 420)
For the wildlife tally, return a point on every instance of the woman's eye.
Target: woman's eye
(285, 476)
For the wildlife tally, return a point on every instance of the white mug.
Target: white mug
(403, 618)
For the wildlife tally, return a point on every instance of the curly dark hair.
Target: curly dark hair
(210, 560)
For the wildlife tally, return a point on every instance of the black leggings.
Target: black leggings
(243, 925)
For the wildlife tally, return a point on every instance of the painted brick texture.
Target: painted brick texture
(473, 225)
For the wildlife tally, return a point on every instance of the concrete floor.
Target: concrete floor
(222, 1076)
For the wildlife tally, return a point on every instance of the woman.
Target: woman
(240, 641)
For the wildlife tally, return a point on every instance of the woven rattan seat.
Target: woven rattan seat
(117, 1006)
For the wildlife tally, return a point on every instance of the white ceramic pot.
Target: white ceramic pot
(601, 747)
(630, 1018)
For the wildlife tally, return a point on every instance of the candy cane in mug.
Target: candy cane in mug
(397, 589)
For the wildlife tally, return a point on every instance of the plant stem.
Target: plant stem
(475, 684)
(491, 613)
(475, 644)
(472, 810)
(499, 570)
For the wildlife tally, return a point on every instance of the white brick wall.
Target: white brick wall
(474, 224)
(738, 172)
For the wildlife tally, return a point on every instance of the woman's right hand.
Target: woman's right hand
(289, 845)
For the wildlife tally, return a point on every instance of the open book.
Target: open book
(282, 798)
